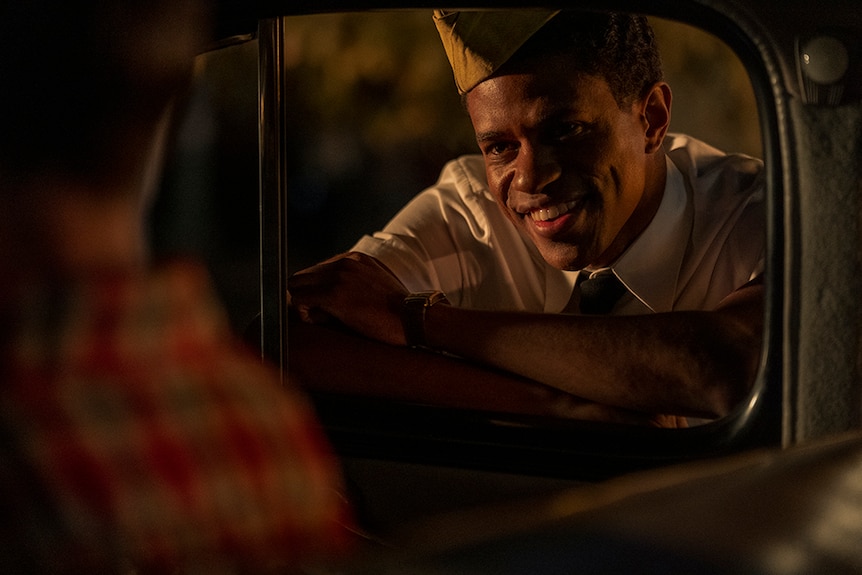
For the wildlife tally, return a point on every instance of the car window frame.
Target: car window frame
(381, 428)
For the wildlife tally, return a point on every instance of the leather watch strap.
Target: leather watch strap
(413, 315)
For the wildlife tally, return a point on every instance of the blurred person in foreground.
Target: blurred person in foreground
(586, 248)
(137, 436)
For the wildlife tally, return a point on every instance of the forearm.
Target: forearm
(680, 363)
(335, 361)
(685, 363)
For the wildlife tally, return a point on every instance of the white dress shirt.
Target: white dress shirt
(706, 240)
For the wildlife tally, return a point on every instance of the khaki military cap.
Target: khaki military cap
(479, 42)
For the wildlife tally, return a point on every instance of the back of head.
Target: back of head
(84, 83)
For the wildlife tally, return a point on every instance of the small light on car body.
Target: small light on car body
(823, 62)
(825, 59)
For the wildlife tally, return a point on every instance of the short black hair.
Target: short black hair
(619, 47)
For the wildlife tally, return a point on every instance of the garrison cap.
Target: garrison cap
(478, 42)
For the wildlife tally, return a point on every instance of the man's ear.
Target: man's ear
(656, 114)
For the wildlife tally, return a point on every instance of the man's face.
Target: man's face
(565, 163)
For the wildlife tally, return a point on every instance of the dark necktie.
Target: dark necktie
(599, 293)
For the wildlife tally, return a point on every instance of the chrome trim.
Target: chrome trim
(273, 192)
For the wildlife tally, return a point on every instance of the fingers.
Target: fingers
(307, 313)
(346, 275)
(353, 289)
(313, 284)
(307, 293)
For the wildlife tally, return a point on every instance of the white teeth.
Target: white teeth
(551, 212)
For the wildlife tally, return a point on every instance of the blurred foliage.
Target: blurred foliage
(374, 115)
(712, 95)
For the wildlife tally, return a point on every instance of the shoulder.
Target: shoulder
(727, 210)
(460, 196)
(708, 170)
(722, 188)
(466, 175)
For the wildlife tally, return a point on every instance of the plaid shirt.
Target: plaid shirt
(136, 435)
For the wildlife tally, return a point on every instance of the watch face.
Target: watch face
(426, 298)
(415, 299)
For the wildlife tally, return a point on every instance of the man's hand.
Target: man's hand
(354, 289)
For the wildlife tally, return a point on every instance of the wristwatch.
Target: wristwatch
(413, 315)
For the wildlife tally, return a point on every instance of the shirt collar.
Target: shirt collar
(649, 268)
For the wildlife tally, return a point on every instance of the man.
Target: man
(136, 435)
(579, 192)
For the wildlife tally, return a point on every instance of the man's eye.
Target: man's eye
(497, 149)
(568, 130)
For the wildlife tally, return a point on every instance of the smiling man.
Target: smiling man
(586, 248)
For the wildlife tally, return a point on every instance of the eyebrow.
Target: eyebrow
(488, 136)
(550, 117)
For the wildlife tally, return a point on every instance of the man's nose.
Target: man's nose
(536, 167)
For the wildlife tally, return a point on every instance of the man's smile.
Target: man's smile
(551, 212)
